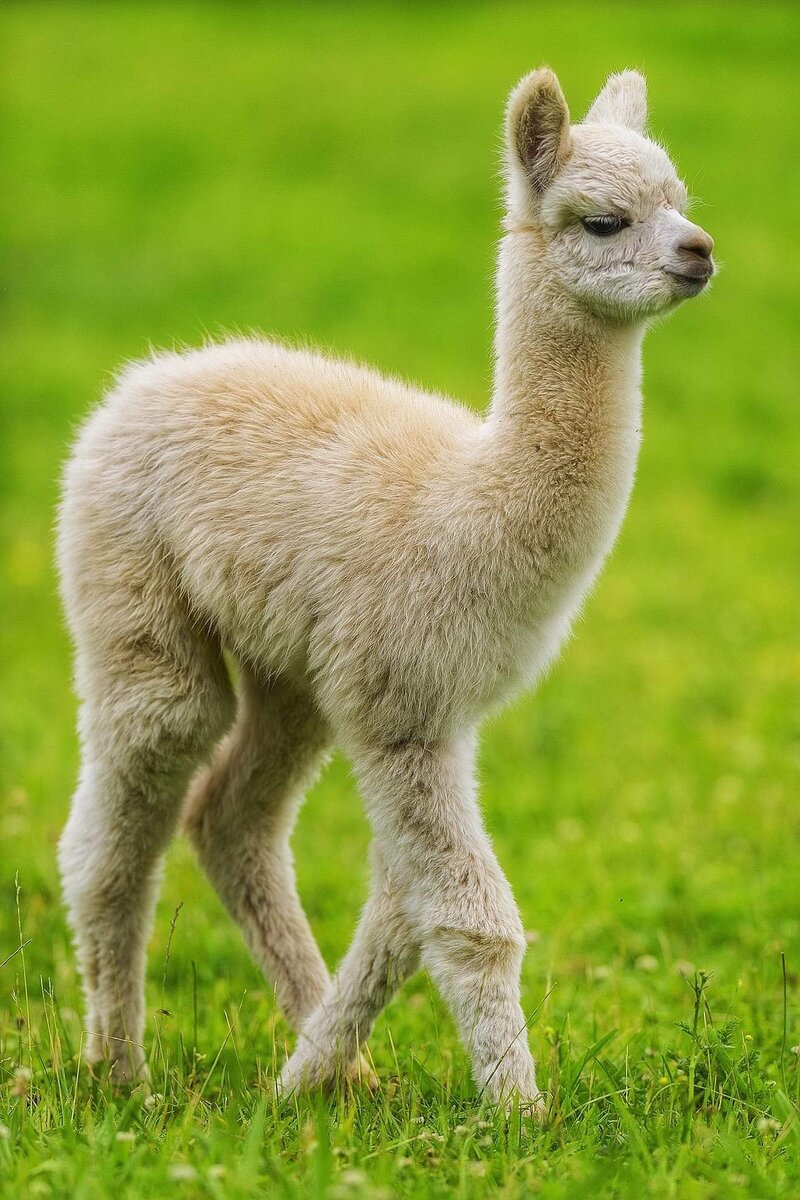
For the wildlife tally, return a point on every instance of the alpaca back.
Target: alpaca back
(296, 502)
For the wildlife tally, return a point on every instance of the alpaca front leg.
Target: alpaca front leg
(421, 799)
(477, 972)
(382, 956)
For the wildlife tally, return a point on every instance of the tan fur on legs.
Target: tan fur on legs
(240, 814)
(391, 567)
(384, 952)
(151, 712)
(422, 801)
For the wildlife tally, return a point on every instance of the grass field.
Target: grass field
(330, 172)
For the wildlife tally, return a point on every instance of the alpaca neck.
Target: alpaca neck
(563, 426)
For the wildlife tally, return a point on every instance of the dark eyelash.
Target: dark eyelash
(605, 225)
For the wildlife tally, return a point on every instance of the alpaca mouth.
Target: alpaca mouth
(692, 285)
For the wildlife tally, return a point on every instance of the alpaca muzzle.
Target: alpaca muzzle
(693, 264)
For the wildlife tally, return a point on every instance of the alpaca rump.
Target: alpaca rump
(386, 567)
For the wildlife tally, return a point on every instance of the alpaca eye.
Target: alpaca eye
(604, 226)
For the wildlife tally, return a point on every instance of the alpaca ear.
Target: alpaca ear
(537, 128)
(623, 101)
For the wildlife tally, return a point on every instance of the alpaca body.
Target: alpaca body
(332, 526)
(386, 567)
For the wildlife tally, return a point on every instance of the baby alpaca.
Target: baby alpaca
(385, 567)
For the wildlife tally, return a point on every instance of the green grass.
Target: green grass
(330, 172)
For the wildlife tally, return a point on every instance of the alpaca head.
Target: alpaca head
(602, 200)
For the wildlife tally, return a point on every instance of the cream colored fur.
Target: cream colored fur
(386, 567)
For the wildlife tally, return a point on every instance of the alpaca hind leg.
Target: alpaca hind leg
(239, 814)
(143, 734)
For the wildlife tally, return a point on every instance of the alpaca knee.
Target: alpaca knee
(472, 920)
(471, 945)
(464, 958)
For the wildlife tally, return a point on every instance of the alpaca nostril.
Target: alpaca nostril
(699, 243)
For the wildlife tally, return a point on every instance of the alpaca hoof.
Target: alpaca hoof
(360, 1074)
(124, 1073)
(535, 1109)
(300, 1074)
(530, 1108)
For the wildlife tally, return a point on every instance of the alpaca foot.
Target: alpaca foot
(360, 1073)
(530, 1107)
(533, 1109)
(123, 1068)
(511, 1085)
(307, 1070)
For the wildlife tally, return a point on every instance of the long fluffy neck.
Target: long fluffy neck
(563, 427)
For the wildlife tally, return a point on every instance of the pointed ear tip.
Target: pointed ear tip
(538, 80)
(537, 86)
(544, 75)
(630, 81)
(635, 80)
(621, 100)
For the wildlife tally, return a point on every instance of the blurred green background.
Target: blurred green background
(330, 172)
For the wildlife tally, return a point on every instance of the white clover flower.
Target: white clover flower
(20, 1083)
(646, 962)
(184, 1172)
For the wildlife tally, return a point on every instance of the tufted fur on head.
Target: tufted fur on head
(386, 567)
(562, 177)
